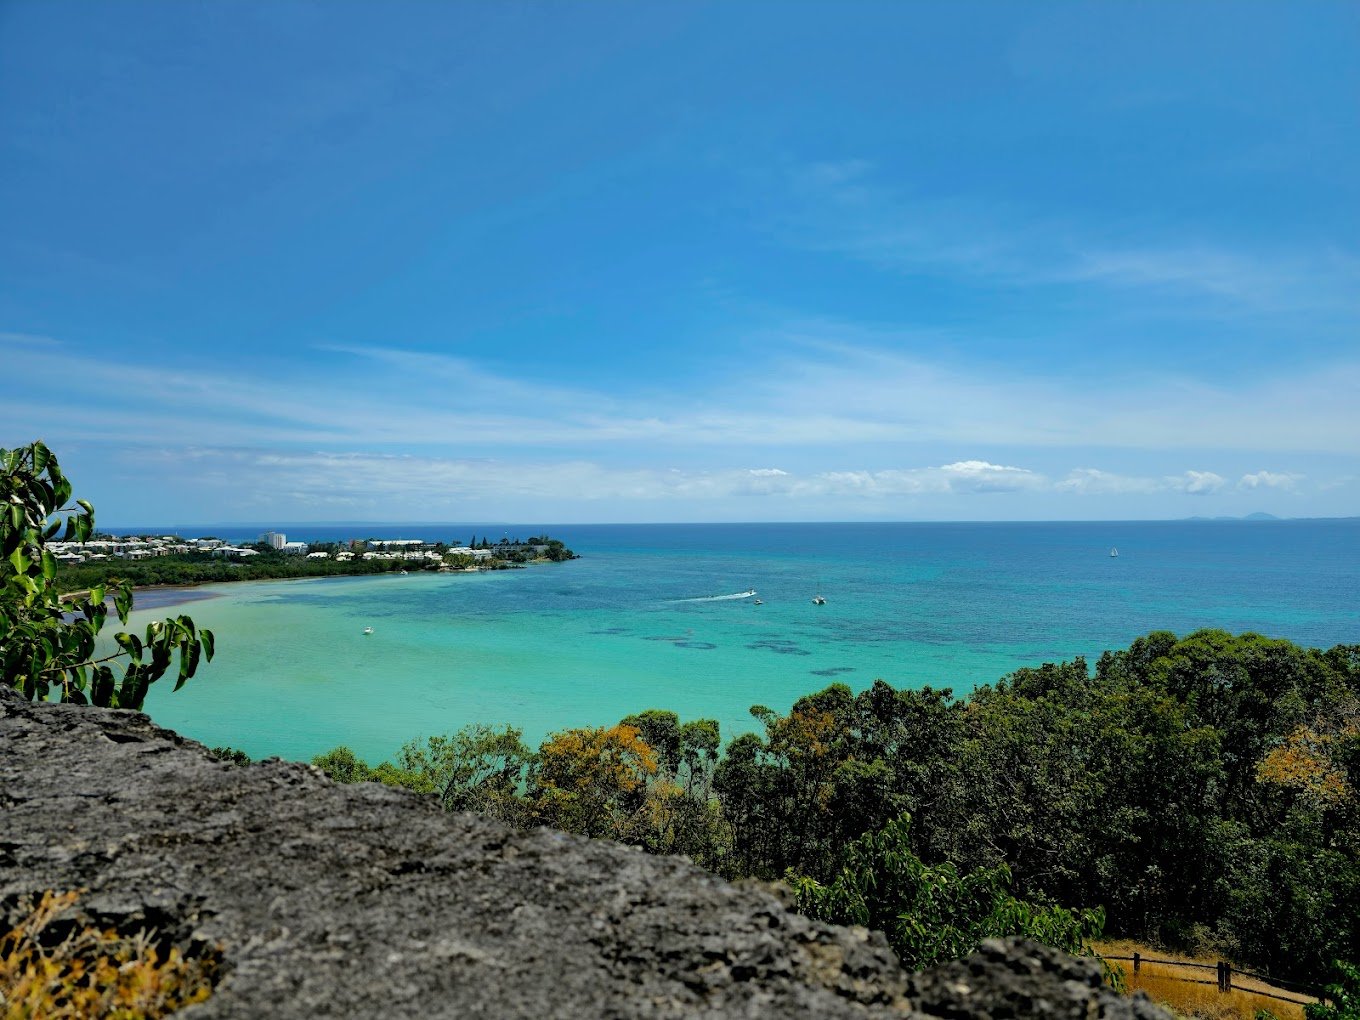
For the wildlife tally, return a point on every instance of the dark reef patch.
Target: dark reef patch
(778, 646)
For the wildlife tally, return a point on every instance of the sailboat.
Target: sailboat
(1113, 552)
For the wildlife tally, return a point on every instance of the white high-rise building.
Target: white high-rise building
(274, 539)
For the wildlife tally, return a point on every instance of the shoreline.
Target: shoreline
(161, 596)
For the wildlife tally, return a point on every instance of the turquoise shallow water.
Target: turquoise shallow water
(627, 627)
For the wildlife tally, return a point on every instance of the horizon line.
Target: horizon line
(1217, 519)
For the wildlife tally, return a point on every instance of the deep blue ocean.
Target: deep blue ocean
(633, 624)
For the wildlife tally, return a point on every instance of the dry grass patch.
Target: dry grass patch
(54, 969)
(1175, 987)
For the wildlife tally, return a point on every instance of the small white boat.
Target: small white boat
(1113, 551)
(817, 600)
(757, 602)
(368, 630)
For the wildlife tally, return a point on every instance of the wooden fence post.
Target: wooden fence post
(1220, 977)
(1137, 960)
(1227, 977)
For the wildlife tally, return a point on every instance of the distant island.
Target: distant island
(1257, 516)
(165, 560)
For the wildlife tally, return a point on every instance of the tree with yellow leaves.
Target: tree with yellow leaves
(1311, 759)
(592, 781)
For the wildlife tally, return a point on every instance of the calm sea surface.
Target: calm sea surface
(632, 626)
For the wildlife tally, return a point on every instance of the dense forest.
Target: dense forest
(1200, 790)
(202, 568)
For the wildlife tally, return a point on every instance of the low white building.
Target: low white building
(476, 554)
(292, 548)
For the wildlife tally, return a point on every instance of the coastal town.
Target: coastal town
(413, 551)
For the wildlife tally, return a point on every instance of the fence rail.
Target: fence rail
(1224, 979)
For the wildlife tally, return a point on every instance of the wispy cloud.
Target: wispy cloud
(27, 340)
(841, 207)
(821, 394)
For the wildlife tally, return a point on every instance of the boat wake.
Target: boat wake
(721, 598)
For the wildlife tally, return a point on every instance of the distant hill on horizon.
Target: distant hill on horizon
(1259, 515)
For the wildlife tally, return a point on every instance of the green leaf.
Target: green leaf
(84, 523)
(122, 601)
(101, 692)
(131, 644)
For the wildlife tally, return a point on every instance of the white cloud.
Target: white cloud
(980, 476)
(360, 481)
(1092, 481)
(1268, 480)
(854, 427)
(1197, 482)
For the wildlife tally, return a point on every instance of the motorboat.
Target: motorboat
(368, 630)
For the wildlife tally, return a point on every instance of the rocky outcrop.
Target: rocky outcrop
(362, 901)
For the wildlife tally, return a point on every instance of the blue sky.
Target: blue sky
(682, 261)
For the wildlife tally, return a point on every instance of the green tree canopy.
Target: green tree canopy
(935, 913)
(50, 643)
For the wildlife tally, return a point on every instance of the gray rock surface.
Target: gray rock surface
(363, 901)
(1020, 978)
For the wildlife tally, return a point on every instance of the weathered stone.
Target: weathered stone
(363, 901)
(1011, 978)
